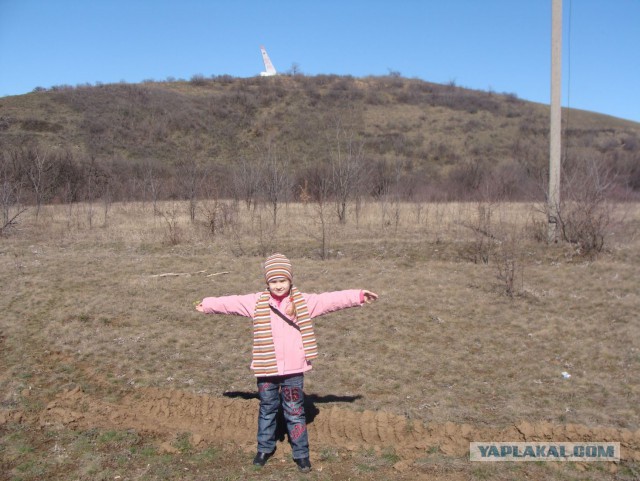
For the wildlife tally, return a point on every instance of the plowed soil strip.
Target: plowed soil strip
(214, 420)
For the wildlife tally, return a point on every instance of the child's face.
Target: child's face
(279, 286)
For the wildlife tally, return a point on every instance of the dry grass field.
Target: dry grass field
(107, 372)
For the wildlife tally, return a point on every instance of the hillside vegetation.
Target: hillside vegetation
(232, 137)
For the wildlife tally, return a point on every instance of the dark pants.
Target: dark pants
(288, 390)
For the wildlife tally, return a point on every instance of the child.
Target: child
(283, 346)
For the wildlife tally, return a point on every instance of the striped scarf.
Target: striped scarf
(264, 352)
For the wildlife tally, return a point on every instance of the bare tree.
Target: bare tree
(70, 181)
(190, 180)
(319, 191)
(277, 181)
(91, 180)
(295, 69)
(246, 176)
(381, 179)
(10, 189)
(96, 185)
(39, 166)
(398, 189)
(107, 198)
(346, 166)
(152, 181)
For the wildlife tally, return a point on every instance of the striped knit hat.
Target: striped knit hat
(277, 265)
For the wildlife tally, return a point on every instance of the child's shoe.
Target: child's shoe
(261, 458)
(303, 464)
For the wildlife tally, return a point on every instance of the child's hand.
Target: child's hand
(198, 305)
(369, 296)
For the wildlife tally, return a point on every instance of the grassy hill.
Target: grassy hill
(444, 136)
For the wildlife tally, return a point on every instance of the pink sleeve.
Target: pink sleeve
(238, 305)
(326, 302)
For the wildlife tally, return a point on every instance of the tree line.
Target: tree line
(344, 176)
(308, 139)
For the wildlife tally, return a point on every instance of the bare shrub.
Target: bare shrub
(506, 266)
(484, 238)
(585, 216)
(219, 215)
(538, 229)
(509, 259)
(173, 232)
(496, 242)
(265, 235)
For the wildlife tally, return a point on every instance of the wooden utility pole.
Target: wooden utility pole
(555, 147)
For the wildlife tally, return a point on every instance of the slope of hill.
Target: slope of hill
(409, 130)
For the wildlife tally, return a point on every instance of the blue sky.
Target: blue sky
(499, 45)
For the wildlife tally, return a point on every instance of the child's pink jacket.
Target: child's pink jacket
(286, 339)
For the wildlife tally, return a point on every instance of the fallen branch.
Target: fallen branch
(175, 274)
(218, 273)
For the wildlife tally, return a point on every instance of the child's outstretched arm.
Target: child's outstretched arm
(243, 305)
(320, 304)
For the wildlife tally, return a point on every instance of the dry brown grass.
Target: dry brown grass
(443, 343)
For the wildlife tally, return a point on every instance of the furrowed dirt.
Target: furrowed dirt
(211, 420)
(164, 413)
